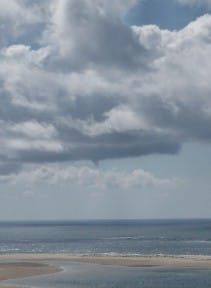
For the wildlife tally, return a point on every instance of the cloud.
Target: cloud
(8, 168)
(91, 178)
(79, 84)
(84, 34)
(178, 97)
(19, 18)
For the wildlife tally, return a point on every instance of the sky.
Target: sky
(105, 109)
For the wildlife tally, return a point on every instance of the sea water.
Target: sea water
(137, 237)
(126, 237)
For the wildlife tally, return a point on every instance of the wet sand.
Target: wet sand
(26, 265)
(14, 270)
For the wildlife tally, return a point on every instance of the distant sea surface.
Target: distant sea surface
(126, 237)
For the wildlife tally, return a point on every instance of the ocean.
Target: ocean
(157, 237)
(125, 236)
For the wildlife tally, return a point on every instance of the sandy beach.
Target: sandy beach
(25, 265)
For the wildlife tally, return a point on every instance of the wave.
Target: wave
(198, 241)
(124, 238)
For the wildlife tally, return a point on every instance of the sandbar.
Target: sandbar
(131, 260)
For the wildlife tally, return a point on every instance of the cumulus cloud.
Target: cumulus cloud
(179, 92)
(77, 83)
(84, 34)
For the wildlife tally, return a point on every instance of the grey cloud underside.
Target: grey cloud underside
(189, 121)
(8, 167)
(88, 87)
(94, 106)
(108, 146)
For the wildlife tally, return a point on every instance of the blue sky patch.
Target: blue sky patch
(167, 14)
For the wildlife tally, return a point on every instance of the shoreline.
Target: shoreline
(13, 266)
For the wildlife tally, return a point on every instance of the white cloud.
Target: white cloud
(117, 120)
(24, 54)
(93, 88)
(17, 17)
(85, 177)
(177, 92)
(33, 130)
(34, 145)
